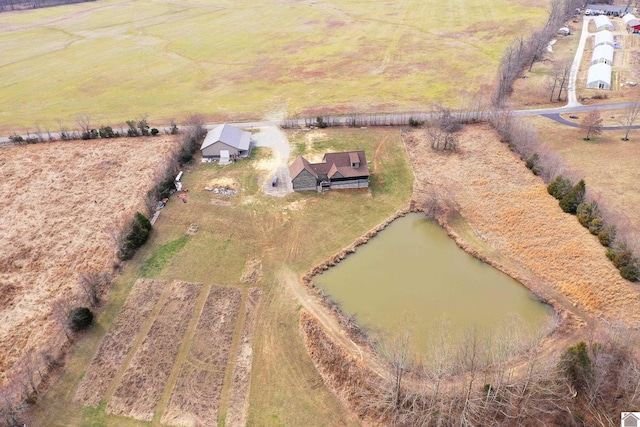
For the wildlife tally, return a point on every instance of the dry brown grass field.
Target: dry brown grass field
(607, 164)
(59, 200)
(511, 214)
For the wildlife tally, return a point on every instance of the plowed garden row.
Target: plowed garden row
(168, 351)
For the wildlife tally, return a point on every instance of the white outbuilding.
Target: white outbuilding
(603, 37)
(599, 76)
(602, 54)
(628, 17)
(603, 23)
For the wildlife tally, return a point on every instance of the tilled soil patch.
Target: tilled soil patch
(145, 379)
(117, 343)
(196, 397)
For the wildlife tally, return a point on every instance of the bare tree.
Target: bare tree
(83, 121)
(563, 73)
(92, 284)
(537, 44)
(629, 118)
(61, 309)
(592, 124)
(440, 130)
(552, 83)
(511, 65)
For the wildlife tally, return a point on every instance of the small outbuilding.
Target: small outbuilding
(602, 54)
(629, 17)
(564, 31)
(603, 23)
(633, 26)
(599, 76)
(226, 138)
(603, 37)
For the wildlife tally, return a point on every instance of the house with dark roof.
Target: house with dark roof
(228, 140)
(337, 170)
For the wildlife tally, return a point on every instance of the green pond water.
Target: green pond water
(412, 273)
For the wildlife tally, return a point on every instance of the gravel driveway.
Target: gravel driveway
(272, 137)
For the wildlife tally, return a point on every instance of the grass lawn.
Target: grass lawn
(117, 60)
(296, 231)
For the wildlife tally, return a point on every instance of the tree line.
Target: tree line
(7, 5)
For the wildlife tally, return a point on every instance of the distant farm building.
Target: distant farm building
(602, 54)
(337, 170)
(599, 76)
(228, 140)
(603, 23)
(632, 23)
(603, 37)
(607, 9)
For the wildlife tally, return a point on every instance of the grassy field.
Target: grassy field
(607, 164)
(294, 232)
(116, 60)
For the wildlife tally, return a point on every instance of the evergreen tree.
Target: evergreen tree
(570, 202)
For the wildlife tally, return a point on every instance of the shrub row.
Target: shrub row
(571, 199)
(133, 236)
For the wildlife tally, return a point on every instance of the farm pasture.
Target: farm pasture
(118, 60)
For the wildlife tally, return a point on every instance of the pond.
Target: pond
(413, 273)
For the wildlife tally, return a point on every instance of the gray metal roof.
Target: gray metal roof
(229, 135)
(609, 8)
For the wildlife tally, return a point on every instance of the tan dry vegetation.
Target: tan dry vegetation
(608, 165)
(511, 213)
(237, 411)
(196, 396)
(60, 197)
(117, 343)
(143, 383)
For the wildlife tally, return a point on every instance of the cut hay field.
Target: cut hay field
(60, 200)
(117, 60)
(511, 215)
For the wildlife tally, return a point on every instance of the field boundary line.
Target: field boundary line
(234, 349)
(142, 333)
(183, 352)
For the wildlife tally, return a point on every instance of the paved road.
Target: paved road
(557, 118)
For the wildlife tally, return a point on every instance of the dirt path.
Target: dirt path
(272, 137)
(328, 321)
